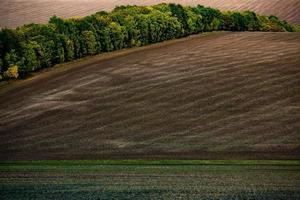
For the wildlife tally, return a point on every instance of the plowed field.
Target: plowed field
(212, 96)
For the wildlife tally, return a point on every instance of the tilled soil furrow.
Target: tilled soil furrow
(205, 97)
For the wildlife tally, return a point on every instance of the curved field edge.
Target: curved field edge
(34, 47)
(57, 163)
(8, 85)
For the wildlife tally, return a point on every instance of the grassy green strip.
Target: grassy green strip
(151, 162)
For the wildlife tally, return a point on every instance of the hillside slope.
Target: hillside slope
(211, 96)
(14, 13)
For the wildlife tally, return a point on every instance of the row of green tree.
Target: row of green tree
(35, 46)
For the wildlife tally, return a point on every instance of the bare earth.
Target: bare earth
(214, 96)
(14, 13)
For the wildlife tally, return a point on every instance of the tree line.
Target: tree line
(34, 46)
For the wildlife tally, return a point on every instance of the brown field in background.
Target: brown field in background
(14, 13)
(212, 96)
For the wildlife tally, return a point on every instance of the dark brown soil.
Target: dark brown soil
(214, 96)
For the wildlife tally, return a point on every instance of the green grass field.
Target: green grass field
(142, 179)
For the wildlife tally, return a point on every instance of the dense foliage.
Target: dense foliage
(34, 46)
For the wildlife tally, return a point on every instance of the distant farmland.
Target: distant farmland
(211, 96)
(17, 12)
